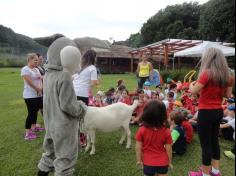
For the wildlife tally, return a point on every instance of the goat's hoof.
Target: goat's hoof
(128, 147)
(86, 150)
(92, 153)
(121, 143)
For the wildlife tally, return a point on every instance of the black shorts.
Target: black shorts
(152, 170)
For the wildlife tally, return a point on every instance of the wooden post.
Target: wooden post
(179, 62)
(132, 64)
(166, 57)
(109, 63)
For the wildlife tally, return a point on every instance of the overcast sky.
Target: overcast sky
(80, 18)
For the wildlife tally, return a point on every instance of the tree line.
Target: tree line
(214, 21)
(17, 44)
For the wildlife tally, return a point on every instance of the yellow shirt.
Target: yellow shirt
(144, 70)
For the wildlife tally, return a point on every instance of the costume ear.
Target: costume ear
(47, 41)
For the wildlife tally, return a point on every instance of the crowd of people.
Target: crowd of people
(167, 114)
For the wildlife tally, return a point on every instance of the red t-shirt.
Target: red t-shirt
(126, 101)
(139, 110)
(188, 131)
(170, 109)
(153, 149)
(211, 96)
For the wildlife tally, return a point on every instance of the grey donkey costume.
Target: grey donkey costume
(62, 113)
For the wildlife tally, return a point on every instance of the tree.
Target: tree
(188, 34)
(134, 40)
(18, 44)
(217, 20)
(170, 23)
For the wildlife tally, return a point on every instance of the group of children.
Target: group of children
(180, 113)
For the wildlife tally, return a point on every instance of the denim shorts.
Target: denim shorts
(152, 170)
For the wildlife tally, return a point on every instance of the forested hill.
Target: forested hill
(16, 44)
(214, 20)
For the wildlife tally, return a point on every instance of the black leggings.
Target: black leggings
(141, 81)
(84, 99)
(208, 131)
(33, 106)
(233, 149)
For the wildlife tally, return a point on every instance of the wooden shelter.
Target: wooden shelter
(116, 59)
(110, 58)
(162, 51)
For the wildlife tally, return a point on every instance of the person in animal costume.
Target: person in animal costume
(62, 111)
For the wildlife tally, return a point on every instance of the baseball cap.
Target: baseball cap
(231, 107)
(231, 100)
(147, 83)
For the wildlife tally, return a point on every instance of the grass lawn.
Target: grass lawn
(19, 157)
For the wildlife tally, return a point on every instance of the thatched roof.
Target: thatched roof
(91, 42)
(116, 51)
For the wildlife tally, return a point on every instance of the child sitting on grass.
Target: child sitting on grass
(109, 97)
(154, 96)
(189, 131)
(178, 133)
(226, 124)
(229, 101)
(125, 97)
(161, 96)
(230, 124)
(169, 104)
(139, 111)
(193, 121)
(118, 93)
(120, 83)
(98, 100)
(153, 141)
(146, 88)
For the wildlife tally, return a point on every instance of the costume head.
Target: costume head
(70, 59)
(54, 52)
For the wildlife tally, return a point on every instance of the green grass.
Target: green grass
(20, 158)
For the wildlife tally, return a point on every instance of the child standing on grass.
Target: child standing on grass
(153, 141)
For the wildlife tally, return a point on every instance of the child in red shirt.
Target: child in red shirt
(138, 112)
(98, 102)
(170, 102)
(153, 141)
(187, 126)
(125, 97)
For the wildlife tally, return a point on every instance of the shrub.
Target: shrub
(177, 74)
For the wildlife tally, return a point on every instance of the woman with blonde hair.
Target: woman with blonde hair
(144, 71)
(214, 83)
(32, 95)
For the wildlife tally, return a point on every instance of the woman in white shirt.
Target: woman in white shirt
(86, 78)
(32, 94)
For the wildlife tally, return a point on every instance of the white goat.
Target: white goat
(108, 119)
